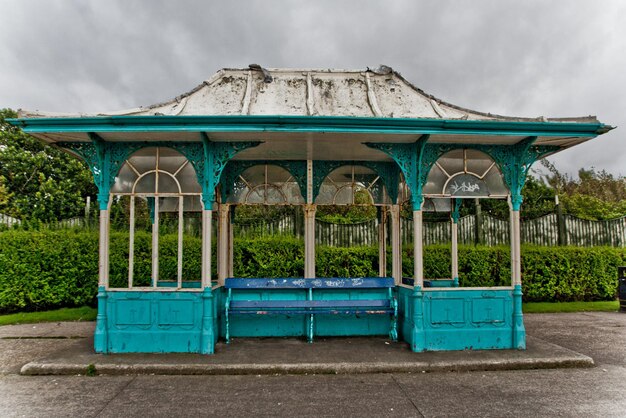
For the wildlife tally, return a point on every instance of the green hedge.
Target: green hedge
(52, 269)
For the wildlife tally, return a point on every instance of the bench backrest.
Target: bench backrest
(318, 283)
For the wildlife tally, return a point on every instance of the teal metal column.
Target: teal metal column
(519, 331)
(100, 340)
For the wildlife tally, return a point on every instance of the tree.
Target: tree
(40, 182)
(596, 195)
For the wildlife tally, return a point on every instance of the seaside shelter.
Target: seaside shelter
(302, 137)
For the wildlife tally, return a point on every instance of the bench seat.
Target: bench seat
(375, 304)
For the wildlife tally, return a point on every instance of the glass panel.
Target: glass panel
(326, 194)
(341, 175)
(292, 193)
(343, 196)
(452, 162)
(168, 204)
(478, 162)
(254, 175)
(442, 205)
(377, 191)
(256, 196)
(167, 184)
(428, 205)
(146, 184)
(277, 174)
(466, 185)
(188, 180)
(495, 183)
(144, 160)
(274, 196)
(124, 180)
(192, 204)
(170, 160)
(239, 193)
(435, 182)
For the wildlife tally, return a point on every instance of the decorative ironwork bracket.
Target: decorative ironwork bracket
(417, 158)
(106, 158)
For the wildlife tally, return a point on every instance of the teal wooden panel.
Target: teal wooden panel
(447, 311)
(154, 322)
(468, 319)
(176, 312)
(489, 311)
(268, 326)
(345, 325)
(131, 312)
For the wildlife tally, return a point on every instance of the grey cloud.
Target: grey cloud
(528, 58)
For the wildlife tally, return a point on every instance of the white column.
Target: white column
(309, 241)
(206, 248)
(454, 232)
(103, 263)
(131, 244)
(382, 242)
(181, 232)
(231, 241)
(223, 260)
(396, 247)
(418, 260)
(155, 243)
(516, 258)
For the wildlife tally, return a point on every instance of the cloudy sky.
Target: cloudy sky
(518, 58)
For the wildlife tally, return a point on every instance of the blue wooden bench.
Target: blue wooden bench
(238, 303)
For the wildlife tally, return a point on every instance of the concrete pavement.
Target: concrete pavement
(598, 391)
(284, 356)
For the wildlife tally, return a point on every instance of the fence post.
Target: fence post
(560, 222)
(298, 223)
(478, 223)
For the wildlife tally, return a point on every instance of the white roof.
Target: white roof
(307, 92)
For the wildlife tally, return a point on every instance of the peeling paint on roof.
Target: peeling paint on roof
(382, 92)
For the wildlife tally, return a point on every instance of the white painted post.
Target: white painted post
(516, 257)
(309, 241)
(382, 243)
(454, 232)
(181, 230)
(396, 248)
(223, 244)
(155, 243)
(231, 241)
(103, 265)
(309, 225)
(131, 244)
(206, 248)
(418, 259)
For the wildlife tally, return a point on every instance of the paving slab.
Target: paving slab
(263, 356)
